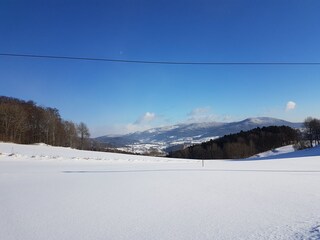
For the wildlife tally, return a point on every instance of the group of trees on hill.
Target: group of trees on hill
(25, 122)
(241, 145)
(312, 131)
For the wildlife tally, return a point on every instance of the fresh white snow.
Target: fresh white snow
(275, 152)
(59, 193)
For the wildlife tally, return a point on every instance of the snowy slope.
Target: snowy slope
(287, 152)
(57, 193)
(274, 152)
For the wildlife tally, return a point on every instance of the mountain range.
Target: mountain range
(169, 138)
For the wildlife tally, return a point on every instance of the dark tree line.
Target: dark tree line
(312, 131)
(241, 145)
(26, 122)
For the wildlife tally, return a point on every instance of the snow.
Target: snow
(287, 152)
(275, 152)
(60, 193)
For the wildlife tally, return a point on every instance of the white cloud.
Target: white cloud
(119, 129)
(146, 121)
(201, 114)
(131, 127)
(146, 118)
(290, 106)
(205, 114)
(199, 111)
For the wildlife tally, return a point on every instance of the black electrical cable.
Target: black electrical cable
(154, 62)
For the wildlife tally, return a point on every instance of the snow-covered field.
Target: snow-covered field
(59, 193)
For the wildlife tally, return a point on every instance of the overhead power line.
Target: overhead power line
(153, 62)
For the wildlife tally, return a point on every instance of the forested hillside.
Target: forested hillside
(26, 122)
(241, 145)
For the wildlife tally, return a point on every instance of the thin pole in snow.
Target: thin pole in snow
(202, 162)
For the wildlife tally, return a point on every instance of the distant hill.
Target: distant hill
(166, 139)
(241, 145)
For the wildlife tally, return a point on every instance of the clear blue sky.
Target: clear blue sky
(122, 97)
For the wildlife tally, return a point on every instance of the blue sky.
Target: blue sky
(121, 97)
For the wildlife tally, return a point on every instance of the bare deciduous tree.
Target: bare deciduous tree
(71, 134)
(84, 134)
(25, 122)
